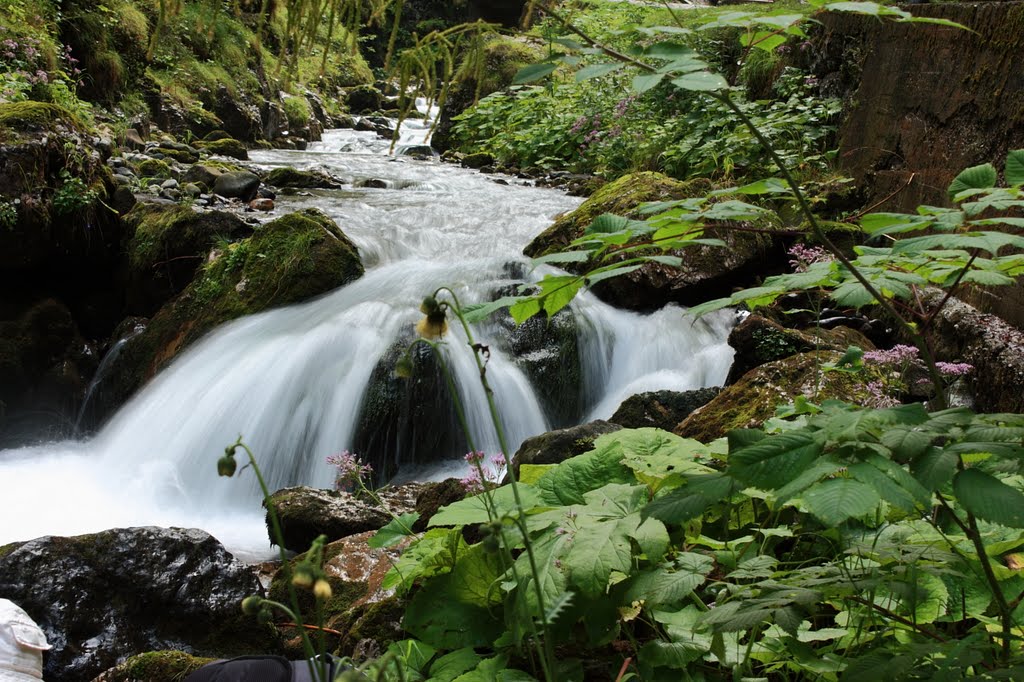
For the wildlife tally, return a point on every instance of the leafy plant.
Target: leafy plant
(73, 194)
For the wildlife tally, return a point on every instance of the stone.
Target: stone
(227, 147)
(154, 666)
(170, 183)
(422, 151)
(133, 140)
(202, 175)
(103, 597)
(262, 204)
(294, 178)
(661, 409)
(237, 185)
(477, 160)
(363, 99)
(372, 183)
(557, 446)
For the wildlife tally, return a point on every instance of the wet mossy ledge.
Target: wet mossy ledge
(288, 260)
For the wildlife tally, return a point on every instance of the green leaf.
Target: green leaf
(1014, 172)
(569, 482)
(534, 72)
(524, 310)
(451, 665)
(598, 549)
(776, 460)
(563, 257)
(394, 532)
(413, 654)
(473, 510)
(989, 498)
(839, 499)
(669, 583)
(701, 81)
(975, 177)
(646, 81)
(598, 70)
(478, 312)
(690, 501)
(934, 468)
(766, 186)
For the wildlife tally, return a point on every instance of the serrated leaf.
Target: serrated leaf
(671, 582)
(564, 257)
(839, 499)
(975, 177)
(451, 665)
(989, 498)
(572, 479)
(477, 312)
(473, 510)
(394, 532)
(534, 72)
(934, 468)
(598, 70)
(524, 310)
(1014, 172)
(776, 460)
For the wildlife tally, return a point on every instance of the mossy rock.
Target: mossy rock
(166, 245)
(706, 271)
(660, 409)
(622, 197)
(289, 177)
(364, 99)
(154, 168)
(226, 147)
(557, 446)
(753, 399)
(34, 116)
(289, 260)
(155, 666)
(180, 155)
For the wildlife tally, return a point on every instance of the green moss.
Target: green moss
(296, 109)
(153, 168)
(622, 197)
(227, 147)
(180, 155)
(157, 666)
(291, 177)
(25, 116)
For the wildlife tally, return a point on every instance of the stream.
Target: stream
(291, 381)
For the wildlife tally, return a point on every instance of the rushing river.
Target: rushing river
(291, 380)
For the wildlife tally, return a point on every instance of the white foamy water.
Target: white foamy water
(291, 381)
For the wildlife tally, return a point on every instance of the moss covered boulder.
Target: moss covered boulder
(753, 399)
(706, 272)
(289, 177)
(502, 59)
(557, 446)
(166, 246)
(289, 260)
(660, 409)
(226, 147)
(155, 666)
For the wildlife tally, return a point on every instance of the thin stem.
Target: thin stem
(899, 619)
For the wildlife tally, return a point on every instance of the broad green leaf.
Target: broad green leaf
(394, 532)
(654, 454)
(989, 498)
(934, 468)
(572, 479)
(530, 473)
(836, 500)
(433, 554)
(885, 486)
(672, 655)
(437, 617)
(651, 537)
(853, 294)
(413, 653)
(824, 466)
(473, 510)
(646, 81)
(776, 460)
(598, 70)
(451, 665)
(671, 582)
(534, 72)
(692, 500)
(564, 257)
(764, 40)
(975, 177)
(669, 50)
(701, 81)
(524, 310)
(906, 442)
(1014, 172)
(766, 186)
(598, 549)
(478, 312)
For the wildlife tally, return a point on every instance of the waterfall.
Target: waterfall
(291, 381)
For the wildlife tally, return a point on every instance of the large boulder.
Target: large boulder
(707, 271)
(306, 513)
(289, 260)
(557, 446)
(661, 409)
(754, 398)
(237, 185)
(103, 597)
(289, 177)
(166, 246)
(961, 333)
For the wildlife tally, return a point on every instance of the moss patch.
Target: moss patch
(153, 168)
(156, 666)
(31, 116)
(291, 177)
(226, 147)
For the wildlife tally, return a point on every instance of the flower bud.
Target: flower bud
(430, 306)
(265, 615)
(251, 605)
(303, 576)
(226, 465)
(403, 368)
(322, 589)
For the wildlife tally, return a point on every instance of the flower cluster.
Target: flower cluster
(803, 256)
(622, 106)
(481, 472)
(954, 369)
(878, 397)
(897, 355)
(351, 471)
(23, 65)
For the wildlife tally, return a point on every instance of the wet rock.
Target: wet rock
(241, 118)
(420, 151)
(165, 248)
(291, 177)
(661, 409)
(363, 99)
(753, 399)
(262, 204)
(203, 175)
(372, 183)
(132, 140)
(237, 185)
(155, 666)
(101, 598)
(557, 446)
(758, 340)
(477, 160)
(288, 260)
(706, 271)
(433, 496)
(123, 200)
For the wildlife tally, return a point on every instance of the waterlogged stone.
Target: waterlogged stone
(262, 204)
(237, 185)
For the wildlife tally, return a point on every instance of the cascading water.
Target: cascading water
(291, 381)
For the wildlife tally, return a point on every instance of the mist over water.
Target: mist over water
(291, 381)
